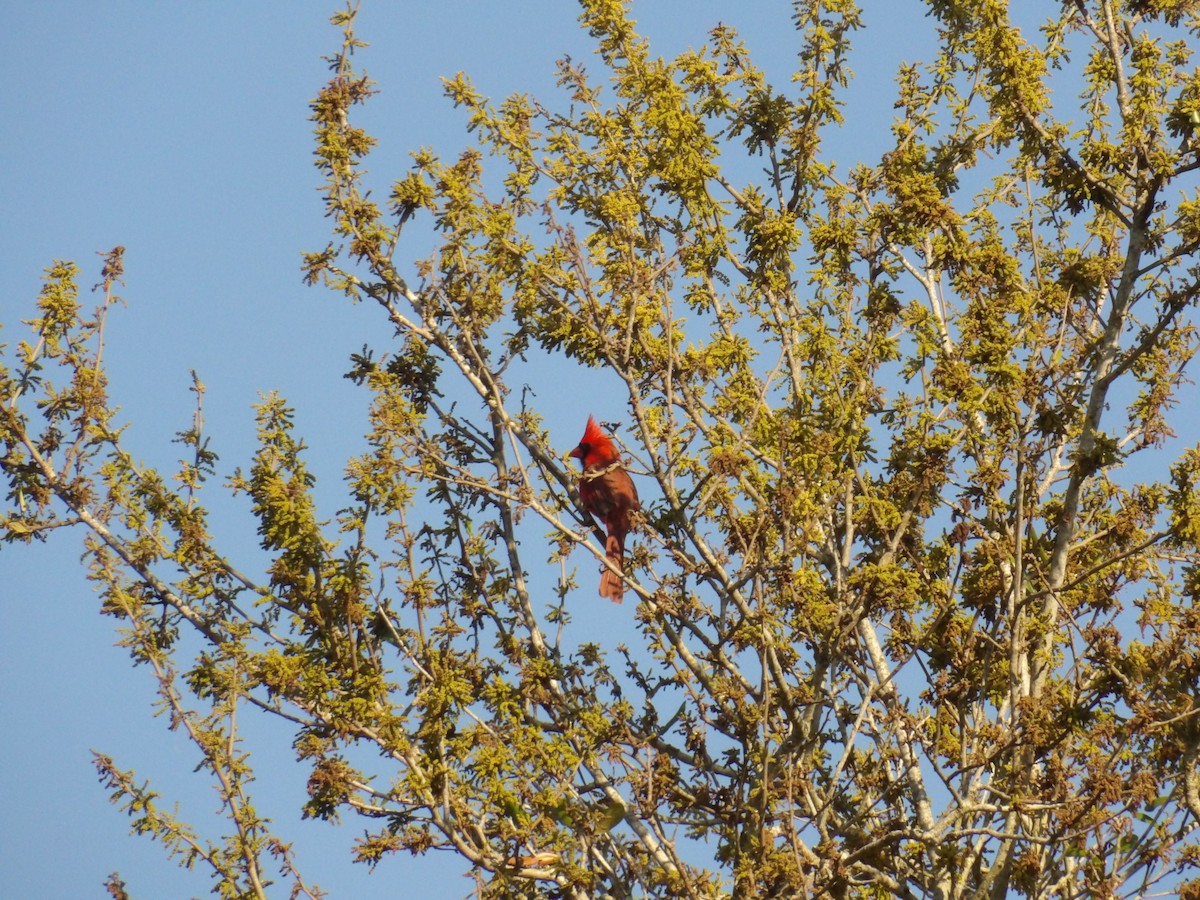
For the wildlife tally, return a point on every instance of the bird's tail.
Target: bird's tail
(611, 585)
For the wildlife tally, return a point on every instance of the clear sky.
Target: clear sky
(180, 131)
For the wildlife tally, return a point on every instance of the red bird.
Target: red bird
(607, 492)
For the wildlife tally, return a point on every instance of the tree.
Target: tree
(910, 619)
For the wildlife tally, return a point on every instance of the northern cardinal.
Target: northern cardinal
(607, 492)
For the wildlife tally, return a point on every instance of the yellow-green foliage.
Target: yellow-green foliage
(910, 596)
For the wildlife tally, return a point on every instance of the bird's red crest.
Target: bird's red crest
(592, 433)
(595, 446)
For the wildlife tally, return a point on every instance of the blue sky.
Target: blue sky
(181, 132)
